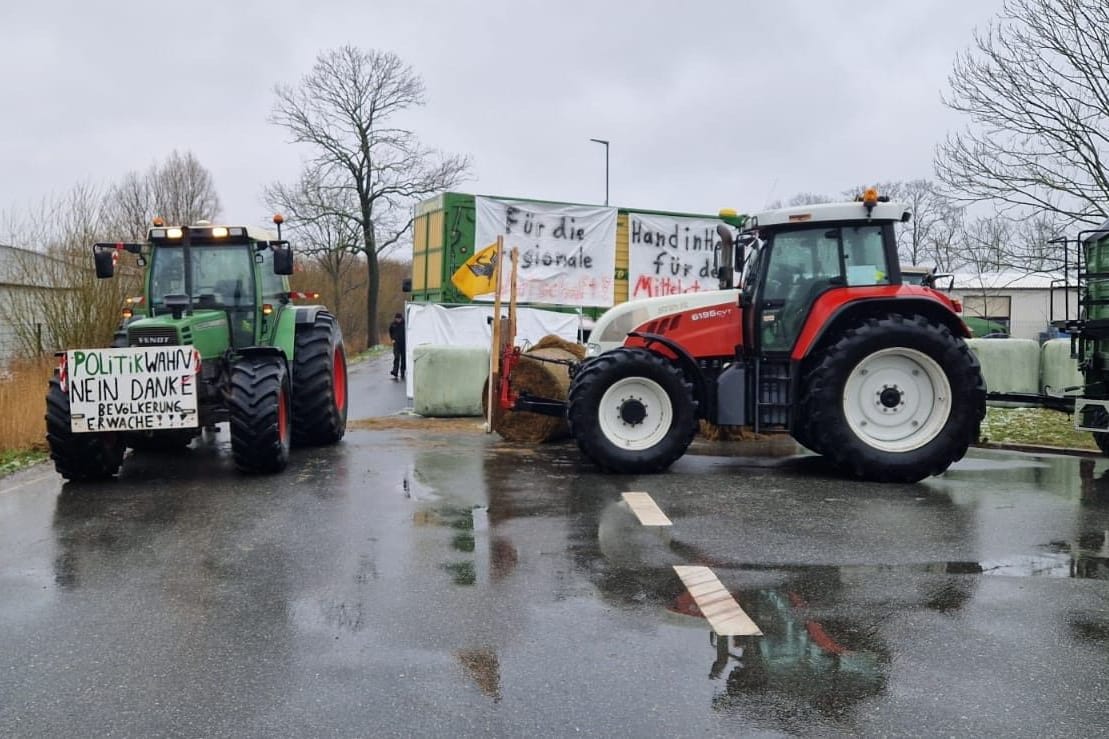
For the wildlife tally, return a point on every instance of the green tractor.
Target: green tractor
(217, 340)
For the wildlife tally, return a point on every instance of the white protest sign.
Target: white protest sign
(567, 252)
(670, 255)
(132, 388)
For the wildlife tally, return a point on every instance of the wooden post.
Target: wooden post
(512, 298)
(495, 347)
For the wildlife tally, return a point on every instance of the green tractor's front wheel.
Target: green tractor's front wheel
(319, 383)
(78, 457)
(259, 406)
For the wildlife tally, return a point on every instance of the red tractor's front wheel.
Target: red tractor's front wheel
(631, 410)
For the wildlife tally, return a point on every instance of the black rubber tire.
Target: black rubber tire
(320, 398)
(823, 399)
(1102, 440)
(805, 435)
(169, 440)
(260, 414)
(78, 457)
(588, 388)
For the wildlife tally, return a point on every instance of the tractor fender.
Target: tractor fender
(830, 317)
(261, 351)
(306, 314)
(682, 358)
(831, 313)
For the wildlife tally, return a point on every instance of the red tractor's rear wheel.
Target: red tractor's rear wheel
(631, 410)
(895, 400)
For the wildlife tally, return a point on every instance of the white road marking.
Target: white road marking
(716, 603)
(646, 510)
(25, 483)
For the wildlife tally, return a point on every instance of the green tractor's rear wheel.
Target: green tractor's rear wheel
(78, 457)
(319, 383)
(631, 410)
(895, 399)
(259, 407)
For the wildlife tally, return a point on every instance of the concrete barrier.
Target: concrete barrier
(1009, 365)
(447, 380)
(1058, 369)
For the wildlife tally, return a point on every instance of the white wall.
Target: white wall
(1030, 308)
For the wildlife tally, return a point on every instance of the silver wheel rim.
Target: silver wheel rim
(657, 419)
(897, 400)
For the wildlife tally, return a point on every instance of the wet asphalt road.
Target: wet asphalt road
(417, 582)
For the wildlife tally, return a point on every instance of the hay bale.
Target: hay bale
(543, 379)
(557, 341)
(711, 432)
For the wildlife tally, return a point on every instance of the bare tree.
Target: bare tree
(801, 198)
(930, 234)
(317, 214)
(180, 190)
(986, 244)
(1036, 87)
(345, 108)
(61, 303)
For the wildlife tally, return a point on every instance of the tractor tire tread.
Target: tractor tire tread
(317, 417)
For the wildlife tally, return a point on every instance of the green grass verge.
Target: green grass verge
(14, 460)
(1037, 426)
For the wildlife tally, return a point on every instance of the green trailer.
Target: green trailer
(443, 239)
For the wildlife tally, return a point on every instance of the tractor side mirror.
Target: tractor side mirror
(282, 260)
(105, 262)
(406, 285)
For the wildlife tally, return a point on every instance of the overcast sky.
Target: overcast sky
(706, 104)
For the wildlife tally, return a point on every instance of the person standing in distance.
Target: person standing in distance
(396, 333)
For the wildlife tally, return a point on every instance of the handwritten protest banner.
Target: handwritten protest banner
(567, 252)
(669, 255)
(133, 388)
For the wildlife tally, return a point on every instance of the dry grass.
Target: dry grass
(23, 405)
(419, 423)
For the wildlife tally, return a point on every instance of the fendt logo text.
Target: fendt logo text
(714, 313)
(149, 340)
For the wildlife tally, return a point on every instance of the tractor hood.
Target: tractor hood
(207, 330)
(612, 328)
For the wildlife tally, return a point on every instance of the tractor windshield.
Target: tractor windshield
(220, 277)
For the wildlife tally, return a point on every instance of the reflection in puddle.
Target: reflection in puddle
(826, 664)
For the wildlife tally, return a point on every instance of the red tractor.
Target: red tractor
(822, 339)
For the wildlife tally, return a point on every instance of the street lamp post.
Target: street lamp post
(602, 141)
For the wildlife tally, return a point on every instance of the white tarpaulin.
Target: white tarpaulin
(669, 255)
(469, 325)
(567, 252)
